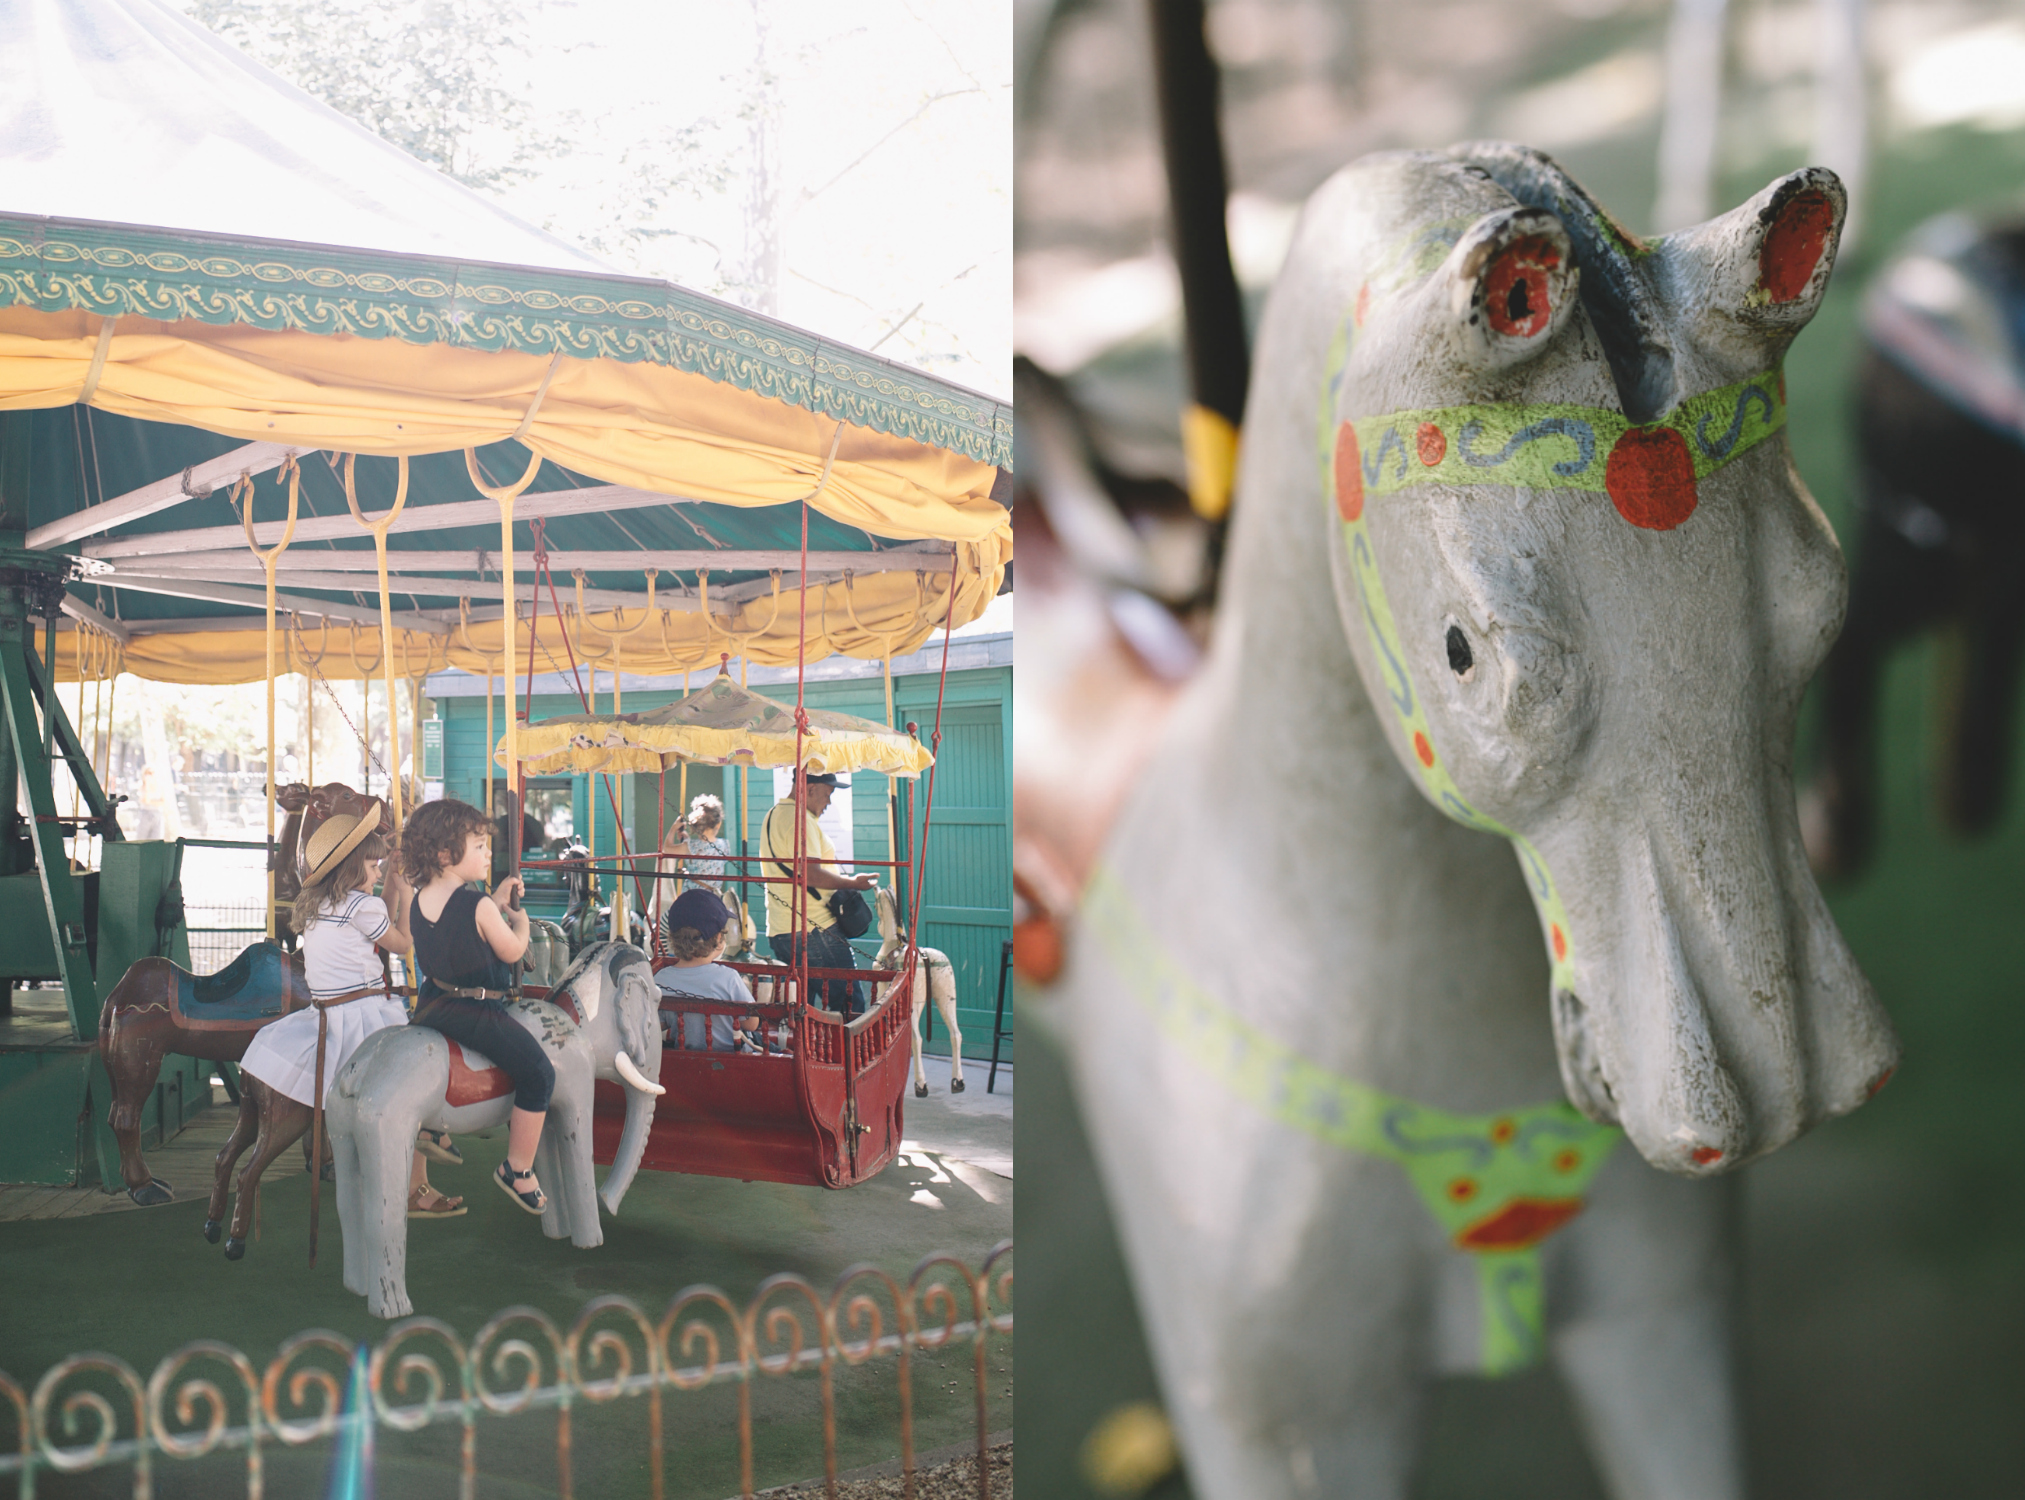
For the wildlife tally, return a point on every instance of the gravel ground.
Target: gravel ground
(953, 1479)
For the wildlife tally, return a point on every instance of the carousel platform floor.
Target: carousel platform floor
(185, 1162)
(102, 1275)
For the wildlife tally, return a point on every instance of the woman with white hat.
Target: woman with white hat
(344, 928)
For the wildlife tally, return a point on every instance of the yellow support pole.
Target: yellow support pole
(293, 474)
(379, 530)
(504, 496)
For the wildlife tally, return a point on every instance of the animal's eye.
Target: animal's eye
(1460, 659)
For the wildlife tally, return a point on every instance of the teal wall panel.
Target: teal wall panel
(968, 903)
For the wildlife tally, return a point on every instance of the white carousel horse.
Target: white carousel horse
(934, 979)
(1515, 514)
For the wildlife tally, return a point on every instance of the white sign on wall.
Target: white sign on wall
(836, 818)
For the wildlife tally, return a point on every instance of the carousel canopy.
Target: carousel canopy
(721, 724)
(205, 273)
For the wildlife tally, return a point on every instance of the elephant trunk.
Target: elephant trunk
(632, 1145)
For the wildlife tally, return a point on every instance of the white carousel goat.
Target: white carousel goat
(1516, 517)
(934, 979)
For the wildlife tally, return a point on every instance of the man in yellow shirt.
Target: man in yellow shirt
(828, 948)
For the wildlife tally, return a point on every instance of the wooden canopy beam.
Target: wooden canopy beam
(78, 610)
(592, 500)
(929, 557)
(219, 593)
(194, 483)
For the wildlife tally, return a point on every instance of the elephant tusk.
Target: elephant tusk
(630, 1071)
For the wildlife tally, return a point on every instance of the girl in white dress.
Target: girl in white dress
(344, 926)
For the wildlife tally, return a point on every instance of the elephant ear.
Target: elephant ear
(639, 1012)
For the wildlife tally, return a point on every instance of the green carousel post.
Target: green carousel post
(31, 586)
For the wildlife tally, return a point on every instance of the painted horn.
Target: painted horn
(630, 1071)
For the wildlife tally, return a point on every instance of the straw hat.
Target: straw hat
(336, 837)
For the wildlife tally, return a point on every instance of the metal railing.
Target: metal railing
(220, 930)
(613, 1351)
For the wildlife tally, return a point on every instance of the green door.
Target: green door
(967, 908)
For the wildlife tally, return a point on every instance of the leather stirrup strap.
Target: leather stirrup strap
(316, 1128)
(316, 1097)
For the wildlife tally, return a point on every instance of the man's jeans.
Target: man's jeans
(828, 949)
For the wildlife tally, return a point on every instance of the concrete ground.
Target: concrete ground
(82, 1270)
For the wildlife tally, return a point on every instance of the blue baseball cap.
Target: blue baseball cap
(699, 911)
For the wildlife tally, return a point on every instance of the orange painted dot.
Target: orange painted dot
(1559, 940)
(1502, 1131)
(1430, 444)
(1650, 477)
(1423, 749)
(1567, 1161)
(1349, 474)
(1363, 303)
(1462, 1189)
(1703, 1155)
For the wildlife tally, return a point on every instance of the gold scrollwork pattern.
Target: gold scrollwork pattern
(53, 266)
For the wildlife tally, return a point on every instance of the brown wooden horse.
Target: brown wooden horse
(157, 1008)
(270, 1122)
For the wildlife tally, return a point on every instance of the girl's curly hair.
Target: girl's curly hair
(436, 836)
(706, 812)
(321, 895)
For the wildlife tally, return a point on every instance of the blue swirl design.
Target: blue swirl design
(1325, 1107)
(1501, 1288)
(1539, 1125)
(1394, 1125)
(1535, 871)
(1401, 695)
(1720, 449)
(1583, 435)
(1375, 460)
(1463, 813)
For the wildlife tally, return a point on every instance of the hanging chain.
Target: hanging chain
(295, 628)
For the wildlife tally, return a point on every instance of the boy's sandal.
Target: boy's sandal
(437, 1146)
(427, 1203)
(534, 1202)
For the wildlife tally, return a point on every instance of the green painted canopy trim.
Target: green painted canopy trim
(58, 265)
(1497, 1184)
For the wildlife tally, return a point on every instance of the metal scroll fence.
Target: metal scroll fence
(94, 1412)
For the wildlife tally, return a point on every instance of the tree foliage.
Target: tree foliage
(429, 75)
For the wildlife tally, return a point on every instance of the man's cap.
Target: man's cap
(698, 910)
(826, 778)
(336, 837)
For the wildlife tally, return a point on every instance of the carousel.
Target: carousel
(351, 421)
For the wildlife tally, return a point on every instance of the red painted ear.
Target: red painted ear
(1761, 270)
(1802, 233)
(1513, 284)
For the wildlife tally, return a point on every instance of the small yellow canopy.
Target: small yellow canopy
(722, 724)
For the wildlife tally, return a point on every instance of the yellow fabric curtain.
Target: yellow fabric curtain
(643, 425)
(877, 614)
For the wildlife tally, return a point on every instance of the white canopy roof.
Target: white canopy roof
(125, 112)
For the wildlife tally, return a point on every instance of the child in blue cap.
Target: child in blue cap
(697, 927)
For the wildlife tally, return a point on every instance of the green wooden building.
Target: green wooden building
(967, 903)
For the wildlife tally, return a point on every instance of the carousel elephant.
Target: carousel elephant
(602, 1020)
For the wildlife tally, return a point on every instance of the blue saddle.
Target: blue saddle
(255, 986)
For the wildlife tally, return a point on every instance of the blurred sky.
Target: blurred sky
(894, 157)
(924, 220)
